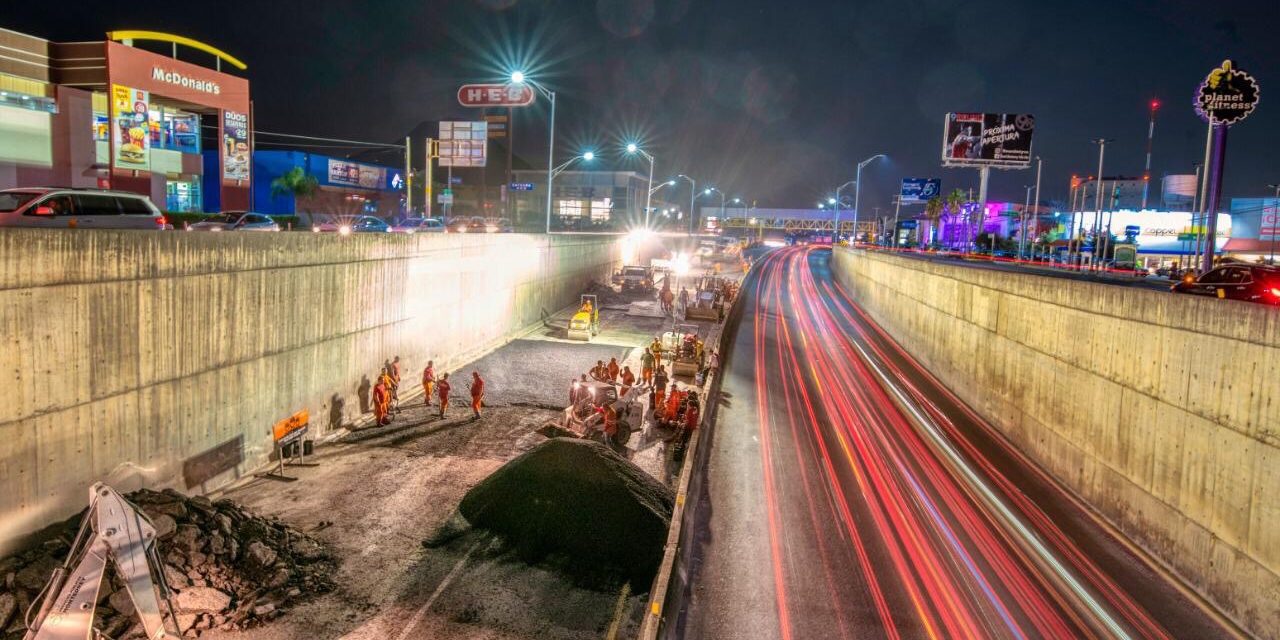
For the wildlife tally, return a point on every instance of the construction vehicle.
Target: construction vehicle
(585, 323)
(706, 303)
(582, 420)
(635, 278)
(112, 530)
(680, 346)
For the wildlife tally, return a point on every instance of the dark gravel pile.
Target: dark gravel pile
(579, 504)
(228, 569)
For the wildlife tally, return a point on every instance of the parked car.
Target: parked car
(322, 223)
(419, 225)
(236, 221)
(56, 208)
(1248, 282)
(367, 224)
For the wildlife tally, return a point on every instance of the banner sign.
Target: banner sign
(354, 174)
(987, 139)
(130, 127)
(917, 190)
(463, 144)
(291, 428)
(1227, 95)
(235, 146)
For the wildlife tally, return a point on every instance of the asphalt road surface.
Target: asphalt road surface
(850, 495)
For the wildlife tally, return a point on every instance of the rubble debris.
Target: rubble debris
(607, 296)
(580, 505)
(227, 568)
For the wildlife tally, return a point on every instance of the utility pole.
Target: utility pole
(897, 208)
(427, 186)
(1151, 134)
(1275, 221)
(408, 178)
(1022, 223)
(1035, 202)
(1097, 218)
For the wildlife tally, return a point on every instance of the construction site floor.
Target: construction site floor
(375, 495)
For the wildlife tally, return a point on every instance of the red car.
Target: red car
(1248, 282)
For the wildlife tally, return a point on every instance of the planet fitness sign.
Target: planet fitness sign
(1227, 96)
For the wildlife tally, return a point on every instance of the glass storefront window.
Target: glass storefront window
(182, 197)
(175, 130)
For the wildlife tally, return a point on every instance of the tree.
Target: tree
(955, 207)
(295, 182)
(932, 213)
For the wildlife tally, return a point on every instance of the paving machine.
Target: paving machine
(707, 302)
(115, 531)
(680, 346)
(585, 323)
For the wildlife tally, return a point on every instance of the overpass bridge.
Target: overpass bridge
(788, 220)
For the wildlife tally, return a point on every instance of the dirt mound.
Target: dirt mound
(227, 568)
(607, 296)
(594, 511)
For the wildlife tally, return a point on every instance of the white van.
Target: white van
(55, 208)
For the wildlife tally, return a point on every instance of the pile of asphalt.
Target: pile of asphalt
(576, 503)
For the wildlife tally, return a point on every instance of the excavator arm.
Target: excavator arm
(113, 530)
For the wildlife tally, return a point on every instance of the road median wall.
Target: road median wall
(1161, 411)
(131, 357)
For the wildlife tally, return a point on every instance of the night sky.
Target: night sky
(775, 101)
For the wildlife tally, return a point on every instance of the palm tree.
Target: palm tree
(955, 206)
(932, 213)
(295, 182)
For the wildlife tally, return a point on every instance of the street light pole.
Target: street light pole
(835, 202)
(518, 77)
(634, 148)
(693, 195)
(1275, 220)
(1097, 217)
(857, 192)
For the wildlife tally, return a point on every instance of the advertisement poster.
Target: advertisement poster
(130, 124)
(352, 174)
(987, 139)
(235, 146)
(917, 190)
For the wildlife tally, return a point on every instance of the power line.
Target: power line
(353, 142)
(303, 145)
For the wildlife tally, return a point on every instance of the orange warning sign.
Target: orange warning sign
(291, 428)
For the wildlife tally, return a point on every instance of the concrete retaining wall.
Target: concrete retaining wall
(127, 353)
(1162, 411)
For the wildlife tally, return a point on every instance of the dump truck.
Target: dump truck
(635, 278)
(585, 322)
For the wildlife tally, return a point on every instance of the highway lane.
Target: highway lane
(850, 495)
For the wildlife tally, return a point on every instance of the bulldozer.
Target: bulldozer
(585, 322)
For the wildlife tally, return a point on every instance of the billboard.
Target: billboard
(463, 144)
(354, 174)
(987, 139)
(130, 127)
(917, 190)
(1227, 95)
(235, 146)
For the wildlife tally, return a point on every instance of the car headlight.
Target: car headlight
(491, 229)
(216, 229)
(344, 230)
(315, 229)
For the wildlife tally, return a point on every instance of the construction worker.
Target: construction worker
(673, 402)
(613, 369)
(667, 298)
(428, 382)
(576, 389)
(655, 348)
(442, 392)
(477, 394)
(646, 366)
(628, 380)
(381, 401)
(659, 391)
(684, 297)
(389, 387)
(599, 371)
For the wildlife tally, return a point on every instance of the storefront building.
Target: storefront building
(108, 114)
(345, 188)
(583, 200)
(1255, 229)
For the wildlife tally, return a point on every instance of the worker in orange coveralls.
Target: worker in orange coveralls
(428, 382)
(477, 394)
(381, 401)
(613, 369)
(628, 379)
(442, 392)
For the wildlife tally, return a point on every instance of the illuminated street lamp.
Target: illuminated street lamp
(634, 148)
(707, 192)
(518, 77)
(587, 156)
(857, 196)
